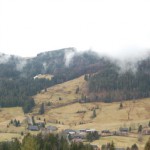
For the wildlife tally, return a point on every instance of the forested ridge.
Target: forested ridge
(17, 84)
(18, 92)
(106, 80)
(58, 63)
(112, 83)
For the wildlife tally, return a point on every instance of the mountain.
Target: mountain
(106, 80)
(112, 84)
(67, 62)
(17, 83)
(10, 65)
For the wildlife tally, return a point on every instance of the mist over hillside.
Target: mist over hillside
(68, 60)
(52, 62)
(108, 79)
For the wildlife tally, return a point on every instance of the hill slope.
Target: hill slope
(108, 116)
(62, 93)
(78, 115)
(114, 84)
(106, 81)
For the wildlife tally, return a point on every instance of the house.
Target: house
(69, 131)
(40, 124)
(82, 101)
(146, 132)
(124, 130)
(77, 136)
(118, 133)
(106, 133)
(48, 130)
(82, 130)
(76, 140)
(82, 134)
(90, 130)
(33, 128)
(51, 128)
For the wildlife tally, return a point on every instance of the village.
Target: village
(88, 135)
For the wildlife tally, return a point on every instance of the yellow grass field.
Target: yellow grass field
(108, 115)
(66, 91)
(79, 115)
(11, 113)
(6, 115)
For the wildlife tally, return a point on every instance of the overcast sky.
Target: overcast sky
(115, 27)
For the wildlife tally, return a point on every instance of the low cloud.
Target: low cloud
(68, 56)
(4, 58)
(21, 64)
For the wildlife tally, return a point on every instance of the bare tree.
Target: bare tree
(130, 108)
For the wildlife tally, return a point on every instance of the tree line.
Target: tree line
(19, 92)
(56, 142)
(47, 142)
(112, 84)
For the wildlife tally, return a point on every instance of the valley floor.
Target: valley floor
(108, 115)
(79, 116)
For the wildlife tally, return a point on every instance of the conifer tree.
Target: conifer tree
(121, 105)
(112, 146)
(33, 121)
(42, 109)
(140, 129)
(134, 147)
(94, 113)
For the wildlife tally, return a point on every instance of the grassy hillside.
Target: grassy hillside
(108, 115)
(65, 114)
(11, 113)
(79, 115)
(61, 93)
(6, 115)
